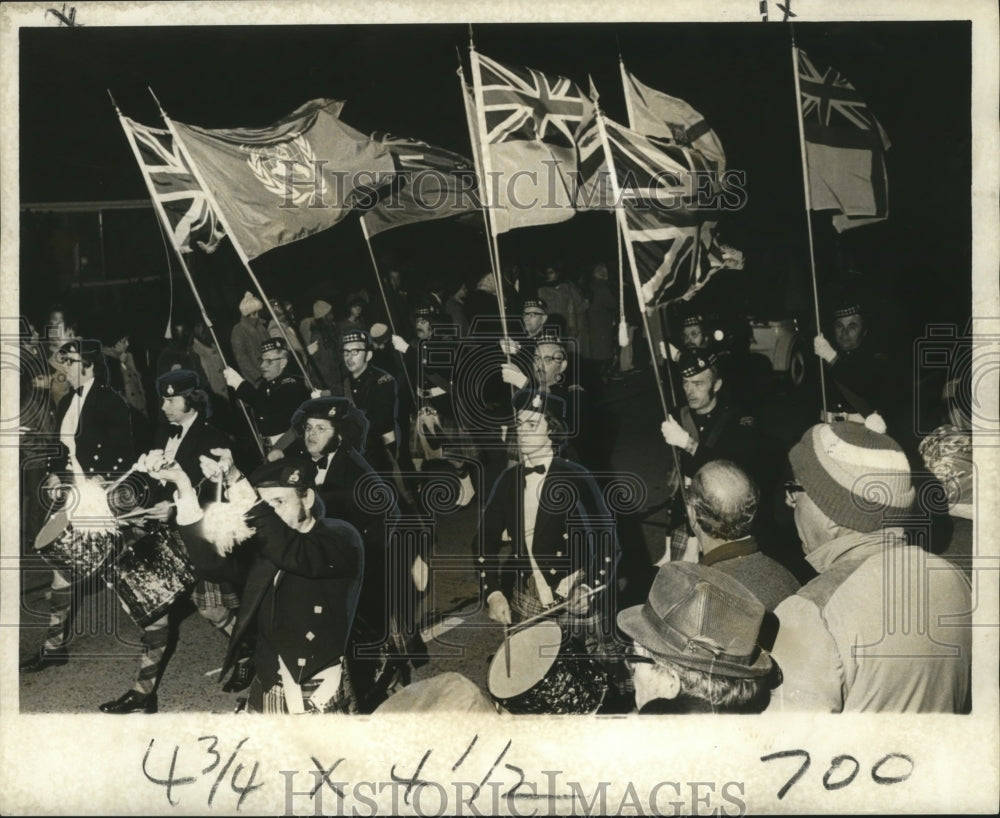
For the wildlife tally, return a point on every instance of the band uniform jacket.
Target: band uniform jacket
(301, 588)
(374, 393)
(103, 437)
(574, 530)
(200, 439)
(274, 402)
(724, 433)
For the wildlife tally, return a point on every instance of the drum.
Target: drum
(544, 679)
(74, 549)
(150, 574)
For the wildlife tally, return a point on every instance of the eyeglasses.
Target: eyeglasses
(353, 353)
(549, 359)
(791, 489)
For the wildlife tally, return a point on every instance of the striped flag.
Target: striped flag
(845, 147)
(192, 222)
(430, 183)
(527, 125)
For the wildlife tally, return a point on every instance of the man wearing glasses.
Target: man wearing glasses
(273, 402)
(885, 626)
(697, 644)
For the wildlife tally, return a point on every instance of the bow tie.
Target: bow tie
(534, 469)
(77, 391)
(175, 431)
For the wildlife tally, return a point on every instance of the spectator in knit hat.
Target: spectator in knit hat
(697, 644)
(247, 336)
(884, 627)
(320, 336)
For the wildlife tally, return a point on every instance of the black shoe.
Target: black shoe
(243, 674)
(46, 657)
(131, 702)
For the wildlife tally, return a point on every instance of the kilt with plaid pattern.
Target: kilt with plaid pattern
(215, 595)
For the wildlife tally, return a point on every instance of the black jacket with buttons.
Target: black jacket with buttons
(103, 437)
(301, 589)
(573, 530)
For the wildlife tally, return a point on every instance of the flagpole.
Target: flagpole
(477, 85)
(161, 214)
(385, 301)
(628, 97)
(477, 163)
(630, 251)
(232, 237)
(808, 200)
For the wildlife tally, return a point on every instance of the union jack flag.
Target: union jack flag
(521, 103)
(844, 147)
(192, 222)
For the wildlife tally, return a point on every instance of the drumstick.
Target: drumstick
(139, 512)
(506, 648)
(553, 609)
(119, 481)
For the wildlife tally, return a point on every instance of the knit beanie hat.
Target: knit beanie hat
(855, 473)
(321, 309)
(250, 304)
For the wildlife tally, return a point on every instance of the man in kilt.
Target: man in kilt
(183, 438)
(563, 541)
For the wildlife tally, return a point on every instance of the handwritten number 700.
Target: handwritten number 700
(836, 777)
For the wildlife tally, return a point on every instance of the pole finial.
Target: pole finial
(113, 103)
(157, 101)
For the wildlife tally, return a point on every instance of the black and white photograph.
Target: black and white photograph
(446, 409)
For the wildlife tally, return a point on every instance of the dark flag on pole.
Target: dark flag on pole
(845, 147)
(294, 178)
(430, 183)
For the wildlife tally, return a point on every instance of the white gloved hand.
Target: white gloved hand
(274, 454)
(514, 376)
(509, 346)
(675, 353)
(420, 573)
(233, 378)
(499, 610)
(399, 344)
(823, 348)
(313, 348)
(675, 434)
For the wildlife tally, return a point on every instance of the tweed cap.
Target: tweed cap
(856, 476)
(701, 618)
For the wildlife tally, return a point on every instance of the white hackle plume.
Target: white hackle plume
(224, 524)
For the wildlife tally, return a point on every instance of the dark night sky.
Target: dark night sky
(401, 79)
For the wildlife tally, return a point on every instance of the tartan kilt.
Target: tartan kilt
(272, 701)
(208, 594)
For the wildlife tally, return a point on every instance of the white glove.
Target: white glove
(514, 376)
(499, 610)
(675, 434)
(274, 454)
(233, 378)
(399, 344)
(212, 468)
(822, 348)
(675, 353)
(316, 393)
(420, 573)
(509, 346)
(313, 348)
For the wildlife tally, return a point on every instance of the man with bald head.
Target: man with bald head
(721, 504)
